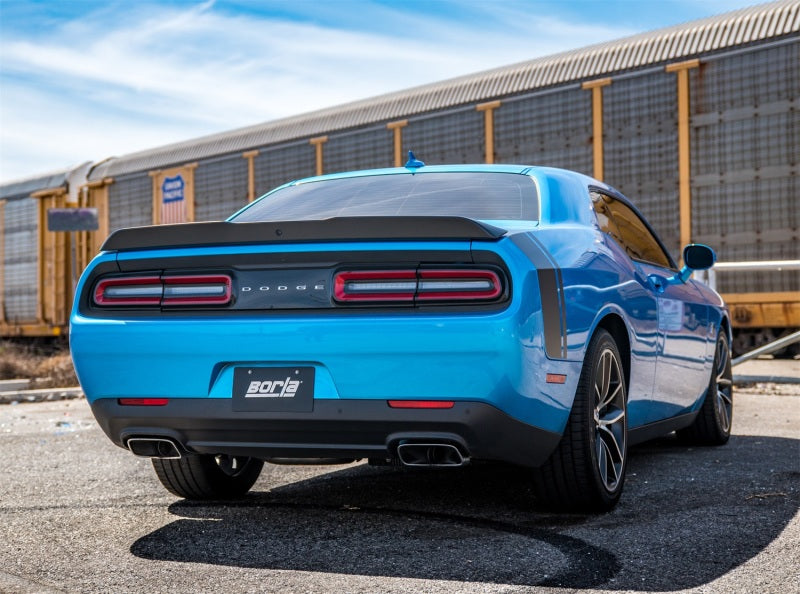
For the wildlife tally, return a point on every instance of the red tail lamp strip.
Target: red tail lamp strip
(198, 289)
(450, 285)
(421, 403)
(135, 290)
(421, 285)
(375, 285)
(143, 401)
(201, 289)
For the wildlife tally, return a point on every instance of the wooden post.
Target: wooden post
(684, 148)
(397, 128)
(596, 87)
(251, 174)
(318, 142)
(488, 126)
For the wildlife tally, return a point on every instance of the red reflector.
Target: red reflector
(143, 401)
(421, 403)
(555, 378)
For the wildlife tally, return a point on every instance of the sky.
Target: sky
(84, 80)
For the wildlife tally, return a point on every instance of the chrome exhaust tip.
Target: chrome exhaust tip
(430, 455)
(154, 447)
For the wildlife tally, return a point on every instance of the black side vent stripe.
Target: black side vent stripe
(551, 286)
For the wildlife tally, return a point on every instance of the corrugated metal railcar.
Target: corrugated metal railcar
(697, 123)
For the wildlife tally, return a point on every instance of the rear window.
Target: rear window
(488, 196)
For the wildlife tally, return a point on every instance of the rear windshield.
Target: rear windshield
(488, 196)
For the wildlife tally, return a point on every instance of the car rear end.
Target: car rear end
(413, 339)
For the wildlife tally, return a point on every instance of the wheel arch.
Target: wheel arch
(615, 325)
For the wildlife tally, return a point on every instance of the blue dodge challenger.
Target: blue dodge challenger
(424, 316)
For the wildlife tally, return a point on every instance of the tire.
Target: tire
(712, 426)
(586, 472)
(208, 477)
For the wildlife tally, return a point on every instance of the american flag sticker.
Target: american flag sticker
(173, 205)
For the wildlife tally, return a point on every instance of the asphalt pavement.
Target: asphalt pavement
(78, 514)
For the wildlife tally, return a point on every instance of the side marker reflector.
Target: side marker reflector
(555, 378)
(421, 403)
(143, 401)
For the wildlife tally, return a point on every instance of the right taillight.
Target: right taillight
(423, 285)
(458, 285)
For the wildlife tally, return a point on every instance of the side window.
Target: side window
(628, 229)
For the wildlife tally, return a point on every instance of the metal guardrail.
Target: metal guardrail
(710, 276)
(773, 346)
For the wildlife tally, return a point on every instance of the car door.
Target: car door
(682, 348)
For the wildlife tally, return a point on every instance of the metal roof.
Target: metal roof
(692, 39)
(23, 188)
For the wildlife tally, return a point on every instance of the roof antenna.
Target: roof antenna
(413, 162)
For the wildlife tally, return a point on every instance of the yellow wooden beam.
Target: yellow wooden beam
(251, 174)
(488, 126)
(681, 69)
(397, 128)
(596, 86)
(317, 143)
(773, 297)
(57, 191)
(36, 329)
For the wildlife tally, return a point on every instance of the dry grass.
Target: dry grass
(47, 366)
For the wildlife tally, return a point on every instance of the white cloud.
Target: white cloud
(112, 83)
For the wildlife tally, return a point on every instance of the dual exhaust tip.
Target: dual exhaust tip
(154, 447)
(410, 454)
(430, 455)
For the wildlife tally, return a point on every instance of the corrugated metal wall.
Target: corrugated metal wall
(130, 201)
(552, 129)
(451, 137)
(640, 144)
(745, 150)
(21, 260)
(277, 165)
(220, 188)
(370, 148)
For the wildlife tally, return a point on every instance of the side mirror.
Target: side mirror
(696, 256)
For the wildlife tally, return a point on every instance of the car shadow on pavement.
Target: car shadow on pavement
(687, 517)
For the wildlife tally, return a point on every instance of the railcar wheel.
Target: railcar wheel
(712, 426)
(208, 477)
(587, 470)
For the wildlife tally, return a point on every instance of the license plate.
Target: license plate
(273, 389)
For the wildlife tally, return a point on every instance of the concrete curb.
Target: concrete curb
(43, 395)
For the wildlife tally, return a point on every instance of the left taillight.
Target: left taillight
(143, 291)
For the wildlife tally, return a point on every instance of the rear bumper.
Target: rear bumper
(335, 429)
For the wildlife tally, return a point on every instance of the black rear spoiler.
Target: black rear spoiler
(335, 229)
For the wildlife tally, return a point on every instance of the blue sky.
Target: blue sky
(84, 80)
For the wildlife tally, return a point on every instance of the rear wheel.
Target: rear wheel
(712, 426)
(208, 477)
(587, 470)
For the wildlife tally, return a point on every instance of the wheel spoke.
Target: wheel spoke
(611, 417)
(608, 437)
(602, 460)
(723, 381)
(725, 398)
